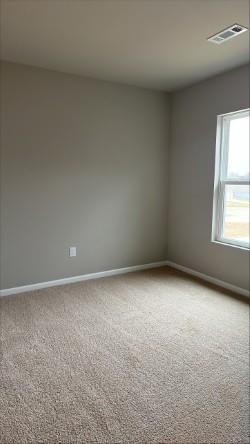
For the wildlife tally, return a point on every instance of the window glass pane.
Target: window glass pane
(236, 213)
(238, 150)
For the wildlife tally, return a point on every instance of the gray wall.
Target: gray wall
(191, 175)
(84, 163)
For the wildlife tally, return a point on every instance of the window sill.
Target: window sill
(226, 244)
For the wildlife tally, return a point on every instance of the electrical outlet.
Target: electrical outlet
(72, 251)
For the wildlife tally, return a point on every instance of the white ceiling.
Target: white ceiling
(159, 44)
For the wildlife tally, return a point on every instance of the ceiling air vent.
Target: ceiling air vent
(227, 34)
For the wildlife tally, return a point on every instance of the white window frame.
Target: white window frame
(221, 180)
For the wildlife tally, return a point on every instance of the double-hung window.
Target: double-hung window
(231, 190)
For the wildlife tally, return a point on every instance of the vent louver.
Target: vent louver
(227, 34)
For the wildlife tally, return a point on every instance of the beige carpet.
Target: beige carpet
(148, 357)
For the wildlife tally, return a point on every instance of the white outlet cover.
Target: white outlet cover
(72, 251)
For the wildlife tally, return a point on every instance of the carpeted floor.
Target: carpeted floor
(147, 357)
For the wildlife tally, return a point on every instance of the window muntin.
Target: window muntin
(231, 196)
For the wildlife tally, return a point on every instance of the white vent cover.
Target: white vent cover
(227, 34)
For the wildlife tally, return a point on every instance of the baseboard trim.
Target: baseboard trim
(84, 277)
(210, 279)
(117, 271)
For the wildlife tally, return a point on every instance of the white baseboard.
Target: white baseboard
(84, 277)
(210, 279)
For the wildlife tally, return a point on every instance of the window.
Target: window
(231, 190)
